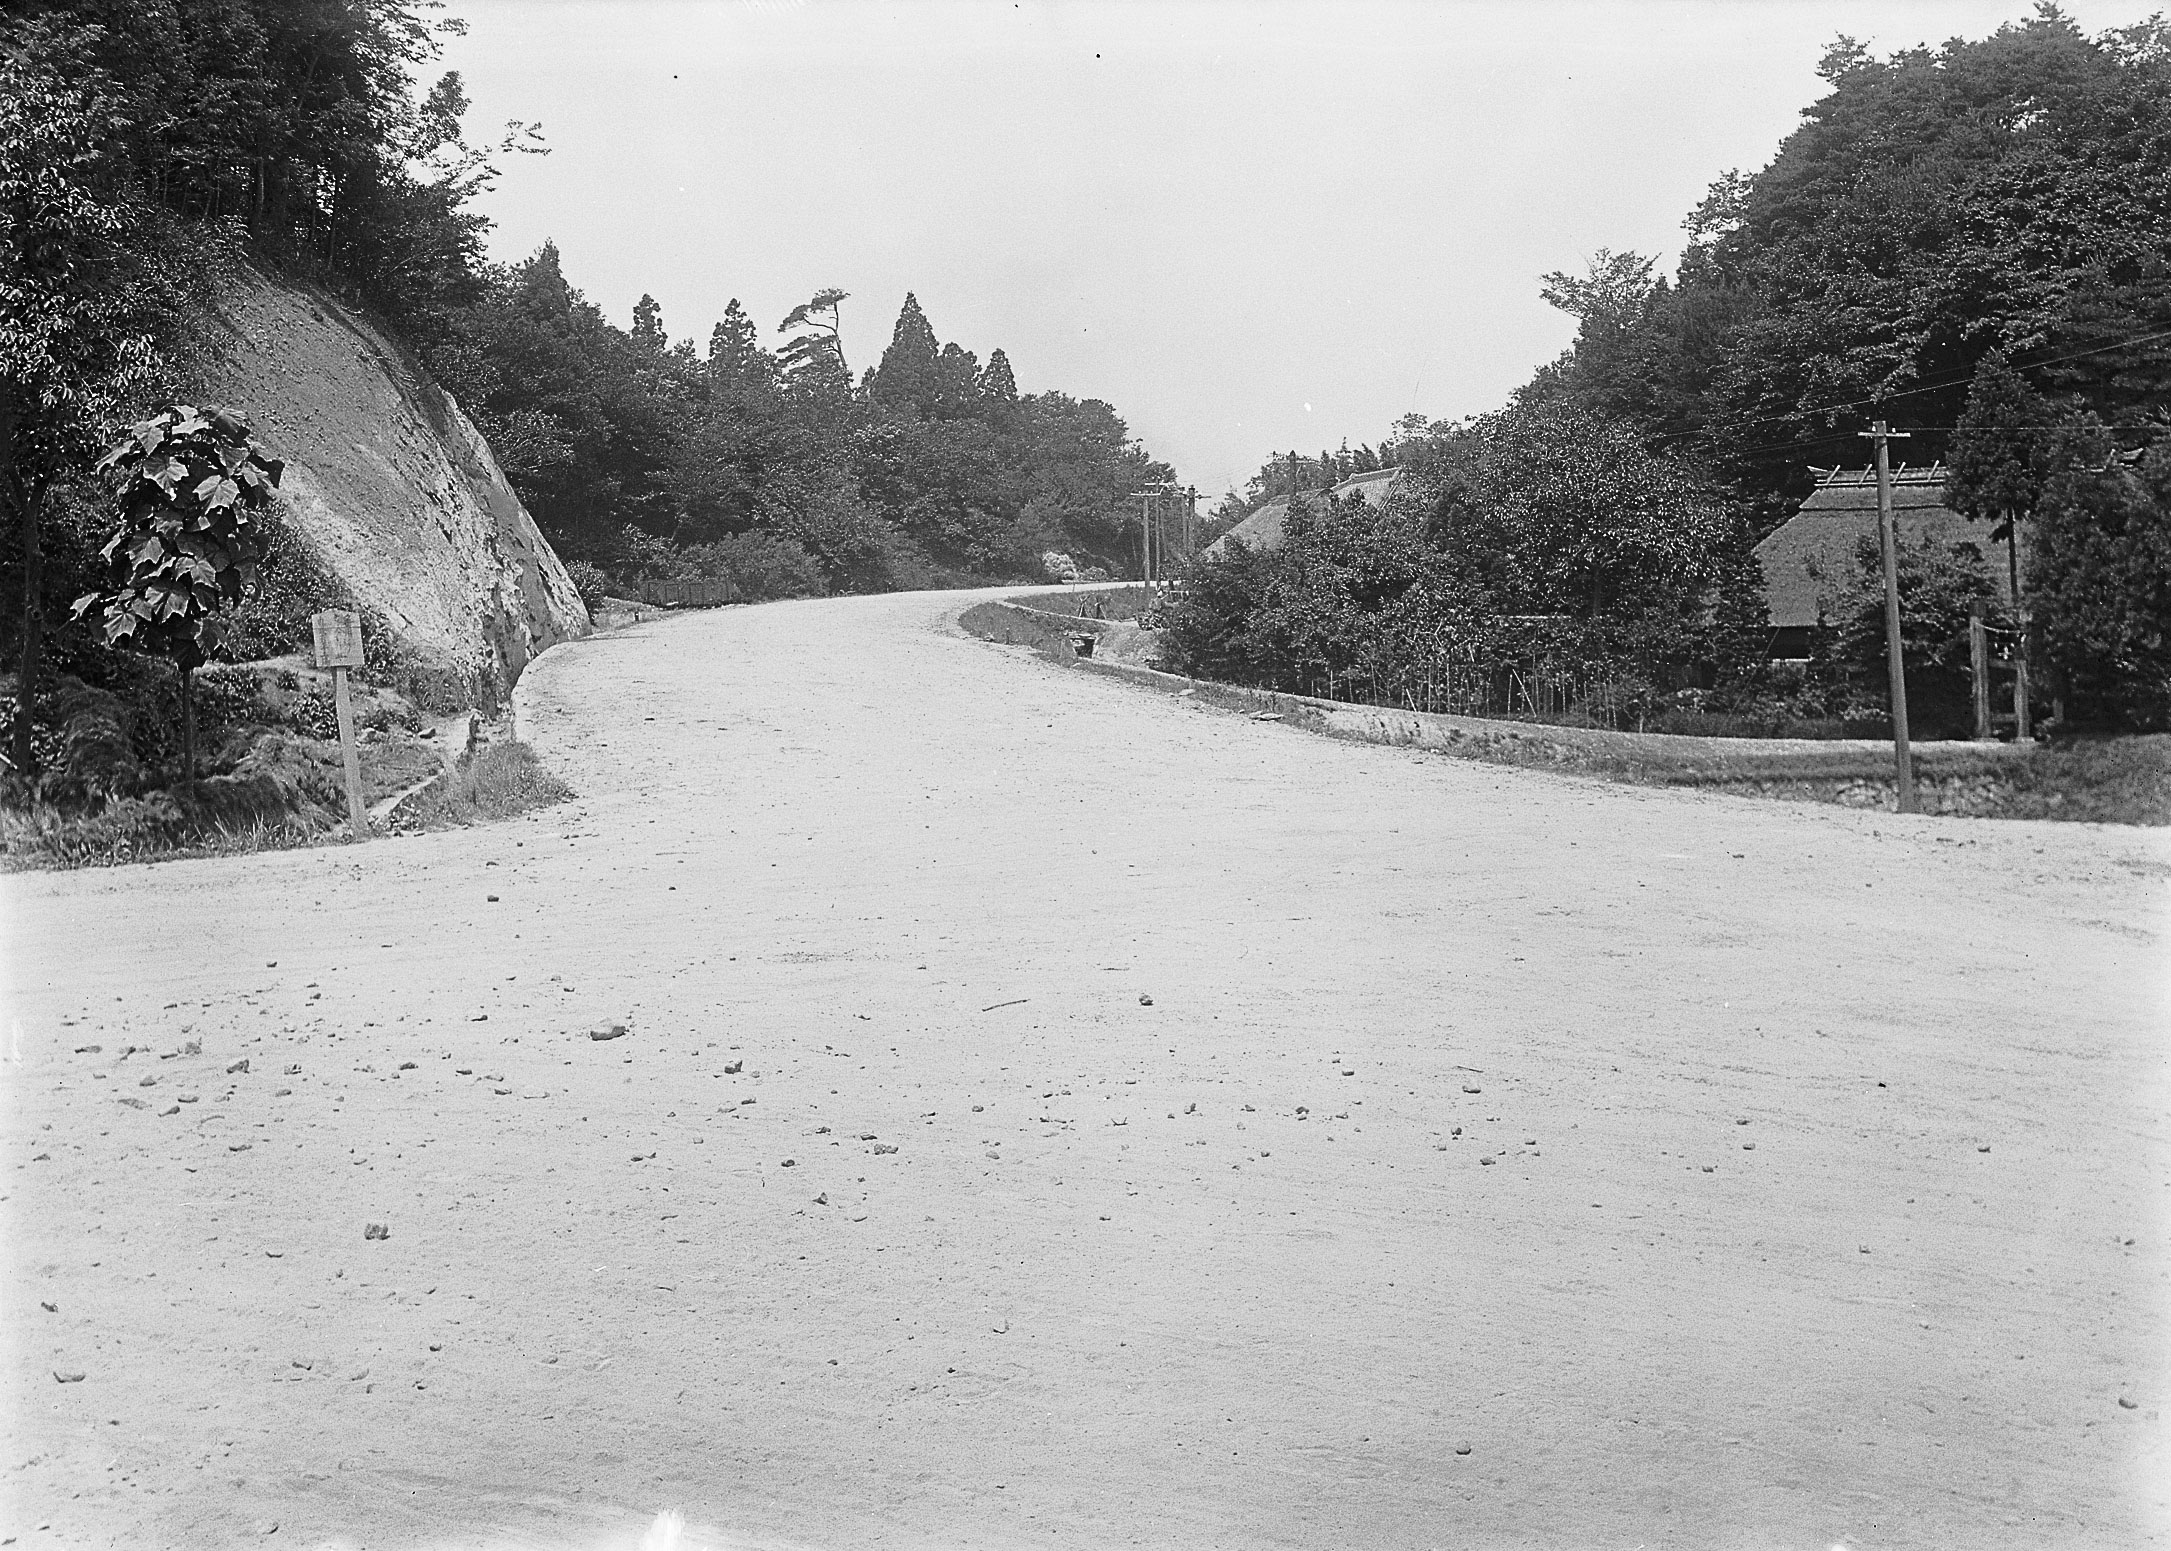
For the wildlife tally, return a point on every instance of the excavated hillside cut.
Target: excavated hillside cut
(390, 485)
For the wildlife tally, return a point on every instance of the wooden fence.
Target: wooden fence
(690, 595)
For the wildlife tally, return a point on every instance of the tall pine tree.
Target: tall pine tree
(815, 358)
(996, 381)
(910, 371)
(735, 353)
(957, 391)
(1997, 455)
(648, 324)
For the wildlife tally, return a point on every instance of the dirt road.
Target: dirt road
(1055, 1114)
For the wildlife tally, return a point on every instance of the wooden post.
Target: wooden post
(2021, 731)
(349, 756)
(188, 725)
(1978, 661)
(338, 634)
(1903, 763)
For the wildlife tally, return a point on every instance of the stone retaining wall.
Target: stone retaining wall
(1857, 771)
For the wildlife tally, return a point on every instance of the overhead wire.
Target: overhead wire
(1928, 387)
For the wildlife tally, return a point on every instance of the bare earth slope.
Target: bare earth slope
(1225, 1269)
(391, 484)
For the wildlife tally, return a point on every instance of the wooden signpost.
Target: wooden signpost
(339, 647)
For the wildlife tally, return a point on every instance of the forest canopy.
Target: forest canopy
(147, 146)
(1977, 224)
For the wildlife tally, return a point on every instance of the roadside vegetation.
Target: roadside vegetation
(1964, 241)
(111, 789)
(150, 154)
(496, 781)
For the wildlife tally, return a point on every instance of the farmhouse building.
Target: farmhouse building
(1263, 528)
(1810, 559)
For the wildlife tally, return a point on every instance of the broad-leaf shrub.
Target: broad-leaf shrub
(188, 482)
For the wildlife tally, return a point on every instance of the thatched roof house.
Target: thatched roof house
(1810, 559)
(1263, 528)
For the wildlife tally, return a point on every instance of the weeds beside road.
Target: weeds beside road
(2109, 780)
(496, 781)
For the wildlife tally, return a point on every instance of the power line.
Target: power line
(1928, 387)
(1840, 436)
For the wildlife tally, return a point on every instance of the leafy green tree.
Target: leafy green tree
(1740, 632)
(2008, 193)
(1608, 298)
(1997, 456)
(87, 289)
(589, 424)
(761, 565)
(1562, 512)
(2100, 570)
(940, 482)
(1069, 466)
(188, 482)
(1215, 628)
(818, 506)
(1940, 585)
(297, 125)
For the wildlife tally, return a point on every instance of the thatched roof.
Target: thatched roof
(1810, 559)
(1263, 528)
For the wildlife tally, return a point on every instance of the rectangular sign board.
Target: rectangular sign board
(338, 638)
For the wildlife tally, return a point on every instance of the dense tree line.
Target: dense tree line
(1948, 227)
(2008, 195)
(644, 457)
(150, 147)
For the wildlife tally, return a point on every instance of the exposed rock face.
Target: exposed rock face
(391, 485)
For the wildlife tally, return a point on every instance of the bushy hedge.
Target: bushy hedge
(1538, 563)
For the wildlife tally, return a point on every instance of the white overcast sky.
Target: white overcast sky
(1250, 227)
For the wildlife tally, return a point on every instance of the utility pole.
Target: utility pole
(1148, 551)
(1154, 538)
(1888, 544)
(1150, 556)
(1149, 540)
(2020, 621)
(1145, 537)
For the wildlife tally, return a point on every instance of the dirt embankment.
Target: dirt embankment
(390, 485)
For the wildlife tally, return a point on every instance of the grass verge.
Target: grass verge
(2098, 781)
(158, 827)
(2103, 781)
(494, 782)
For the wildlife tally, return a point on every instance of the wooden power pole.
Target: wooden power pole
(1888, 545)
(2020, 622)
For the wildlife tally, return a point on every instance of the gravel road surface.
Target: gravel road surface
(1052, 1113)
